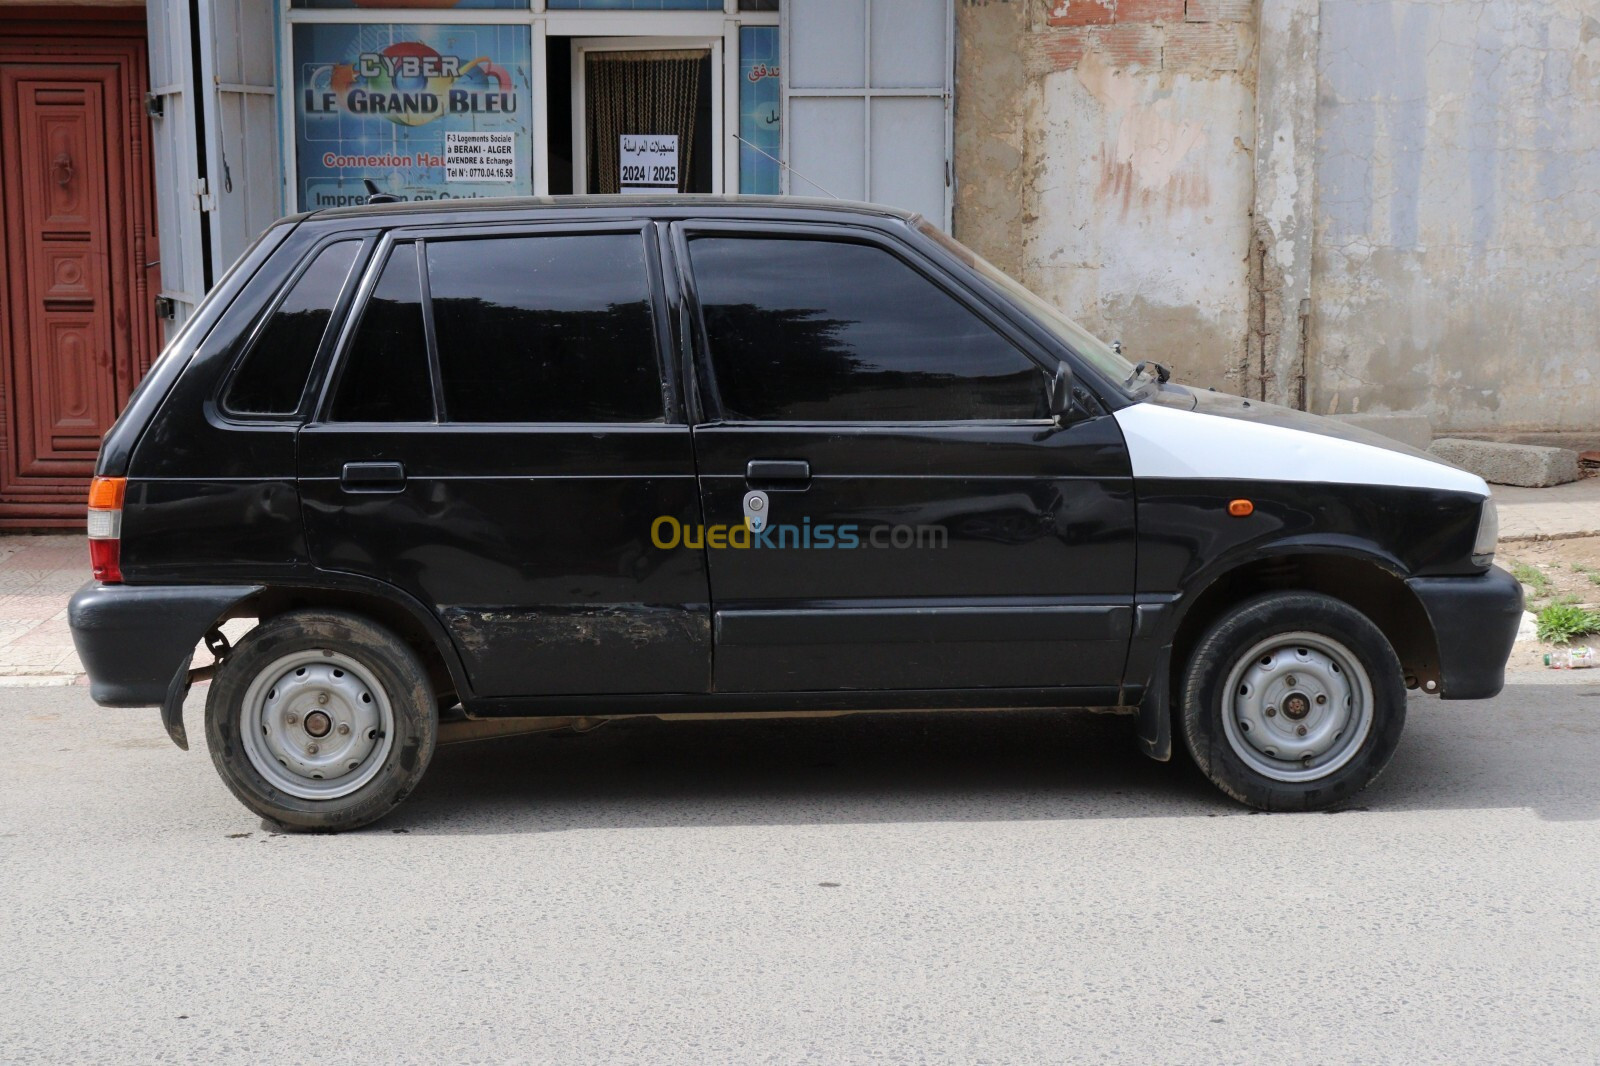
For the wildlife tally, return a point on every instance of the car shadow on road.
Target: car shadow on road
(644, 773)
(858, 769)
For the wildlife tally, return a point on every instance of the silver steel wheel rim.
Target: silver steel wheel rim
(1297, 706)
(317, 725)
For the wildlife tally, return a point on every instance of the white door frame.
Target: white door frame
(582, 45)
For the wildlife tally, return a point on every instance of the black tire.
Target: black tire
(395, 765)
(1221, 650)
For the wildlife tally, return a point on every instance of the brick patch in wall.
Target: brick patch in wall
(1065, 14)
(1201, 47)
(1149, 11)
(1201, 37)
(1050, 52)
(1130, 45)
(1082, 12)
(1220, 10)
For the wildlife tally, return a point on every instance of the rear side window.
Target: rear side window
(833, 331)
(272, 377)
(385, 376)
(545, 329)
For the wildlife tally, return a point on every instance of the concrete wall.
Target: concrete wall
(1457, 263)
(1407, 219)
(1103, 156)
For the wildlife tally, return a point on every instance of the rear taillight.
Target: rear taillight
(105, 527)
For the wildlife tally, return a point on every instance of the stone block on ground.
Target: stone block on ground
(1509, 464)
(1409, 429)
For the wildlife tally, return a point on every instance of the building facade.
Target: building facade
(1348, 205)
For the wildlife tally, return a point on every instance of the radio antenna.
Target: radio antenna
(785, 166)
(377, 196)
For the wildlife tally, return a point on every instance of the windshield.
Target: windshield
(1104, 358)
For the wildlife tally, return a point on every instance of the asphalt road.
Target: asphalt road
(1017, 888)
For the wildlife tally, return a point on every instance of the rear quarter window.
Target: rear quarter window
(271, 378)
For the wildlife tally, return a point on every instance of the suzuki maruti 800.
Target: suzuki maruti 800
(545, 459)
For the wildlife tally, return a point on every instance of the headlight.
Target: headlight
(1488, 535)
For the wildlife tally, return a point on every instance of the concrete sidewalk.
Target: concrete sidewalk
(37, 576)
(39, 573)
(1571, 510)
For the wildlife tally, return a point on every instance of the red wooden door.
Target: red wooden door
(76, 327)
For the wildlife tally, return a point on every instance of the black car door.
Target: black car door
(499, 432)
(927, 524)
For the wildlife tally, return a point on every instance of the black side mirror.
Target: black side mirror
(1061, 392)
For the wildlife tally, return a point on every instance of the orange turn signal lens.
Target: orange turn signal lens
(1241, 508)
(105, 493)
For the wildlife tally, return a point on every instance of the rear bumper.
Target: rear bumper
(1475, 621)
(133, 639)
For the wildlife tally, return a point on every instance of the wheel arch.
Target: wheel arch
(1365, 580)
(1369, 583)
(408, 619)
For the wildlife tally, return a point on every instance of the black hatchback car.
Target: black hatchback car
(573, 459)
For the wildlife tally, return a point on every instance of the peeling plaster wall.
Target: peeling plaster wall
(990, 144)
(1102, 155)
(1457, 253)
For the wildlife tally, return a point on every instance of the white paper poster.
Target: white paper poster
(649, 163)
(480, 156)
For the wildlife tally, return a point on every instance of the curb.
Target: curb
(1533, 538)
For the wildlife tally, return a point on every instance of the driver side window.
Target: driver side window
(812, 330)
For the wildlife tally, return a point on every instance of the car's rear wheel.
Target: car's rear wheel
(321, 720)
(1293, 701)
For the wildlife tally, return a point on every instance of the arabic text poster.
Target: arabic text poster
(649, 163)
(760, 124)
(425, 112)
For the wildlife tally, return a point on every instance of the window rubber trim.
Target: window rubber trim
(711, 410)
(227, 415)
(648, 232)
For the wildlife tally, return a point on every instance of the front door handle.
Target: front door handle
(778, 473)
(372, 477)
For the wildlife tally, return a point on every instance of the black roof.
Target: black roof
(722, 206)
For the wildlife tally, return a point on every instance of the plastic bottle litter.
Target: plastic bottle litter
(1579, 658)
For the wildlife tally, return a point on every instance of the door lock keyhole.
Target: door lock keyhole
(756, 506)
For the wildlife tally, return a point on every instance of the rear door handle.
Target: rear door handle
(372, 477)
(778, 473)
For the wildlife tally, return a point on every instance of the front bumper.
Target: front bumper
(1475, 622)
(136, 641)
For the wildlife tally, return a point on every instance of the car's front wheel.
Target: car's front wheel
(321, 720)
(1293, 701)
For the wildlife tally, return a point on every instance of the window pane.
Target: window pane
(459, 5)
(827, 141)
(828, 331)
(273, 376)
(425, 111)
(827, 44)
(545, 329)
(908, 44)
(760, 124)
(635, 5)
(385, 377)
